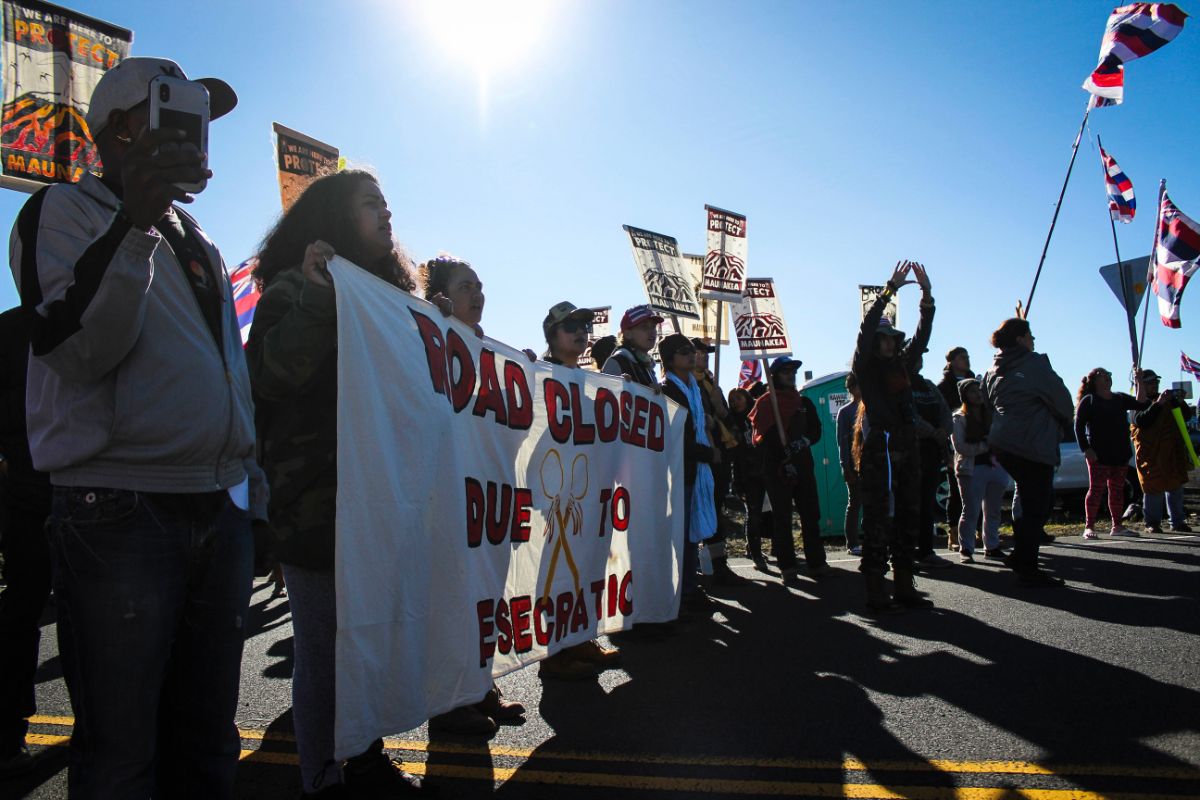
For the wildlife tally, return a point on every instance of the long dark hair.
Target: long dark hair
(1088, 384)
(1009, 331)
(325, 212)
(435, 274)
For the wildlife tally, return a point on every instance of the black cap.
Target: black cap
(671, 345)
(703, 346)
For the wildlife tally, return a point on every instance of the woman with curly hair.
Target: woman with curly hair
(1102, 430)
(292, 355)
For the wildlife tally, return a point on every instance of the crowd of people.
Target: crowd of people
(141, 438)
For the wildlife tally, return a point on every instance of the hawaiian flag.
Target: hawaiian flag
(1176, 259)
(245, 294)
(1121, 205)
(750, 374)
(1189, 365)
(1133, 31)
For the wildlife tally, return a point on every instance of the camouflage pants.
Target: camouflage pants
(889, 526)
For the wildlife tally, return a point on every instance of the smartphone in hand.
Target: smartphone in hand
(182, 105)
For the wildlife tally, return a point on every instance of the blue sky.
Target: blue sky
(851, 135)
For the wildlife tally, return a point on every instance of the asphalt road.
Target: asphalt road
(999, 692)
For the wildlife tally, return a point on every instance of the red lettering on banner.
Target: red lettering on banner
(608, 415)
(641, 407)
(541, 625)
(625, 601)
(497, 523)
(475, 510)
(520, 608)
(523, 502)
(557, 398)
(598, 593)
(612, 595)
(435, 351)
(520, 399)
(504, 628)
(562, 614)
(490, 397)
(585, 433)
(626, 415)
(463, 386)
(656, 431)
(487, 648)
(579, 615)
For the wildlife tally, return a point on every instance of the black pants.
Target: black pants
(801, 495)
(27, 579)
(1035, 485)
(931, 479)
(891, 497)
(753, 491)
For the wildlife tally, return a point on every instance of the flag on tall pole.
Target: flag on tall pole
(1189, 365)
(1121, 203)
(1176, 258)
(751, 373)
(1133, 31)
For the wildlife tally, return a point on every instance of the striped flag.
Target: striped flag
(245, 294)
(751, 373)
(1121, 204)
(1133, 31)
(1189, 365)
(1176, 258)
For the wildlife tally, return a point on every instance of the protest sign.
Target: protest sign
(53, 59)
(705, 326)
(669, 287)
(869, 294)
(601, 327)
(758, 321)
(490, 511)
(301, 161)
(724, 273)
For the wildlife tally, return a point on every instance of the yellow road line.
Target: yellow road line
(867, 791)
(848, 765)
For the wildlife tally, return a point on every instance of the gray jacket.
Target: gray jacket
(1032, 405)
(127, 387)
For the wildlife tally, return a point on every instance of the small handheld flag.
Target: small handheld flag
(750, 374)
(1189, 365)
(1121, 203)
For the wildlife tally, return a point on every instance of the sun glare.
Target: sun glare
(488, 35)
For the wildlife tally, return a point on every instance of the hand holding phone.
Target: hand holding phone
(182, 105)
(151, 172)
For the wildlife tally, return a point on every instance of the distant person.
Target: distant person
(139, 409)
(1162, 458)
(1031, 405)
(1102, 430)
(748, 479)
(700, 513)
(602, 350)
(293, 356)
(982, 481)
(24, 507)
(846, 416)
(639, 332)
(933, 445)
(888, 459)
(958, 368)
(789, 471)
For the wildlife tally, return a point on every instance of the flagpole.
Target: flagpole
(774, 403)
(1130, 313)
(1057, 208)
(1162, 190)
(717, 358)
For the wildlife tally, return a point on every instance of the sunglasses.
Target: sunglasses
(575, 326)
(685, 351)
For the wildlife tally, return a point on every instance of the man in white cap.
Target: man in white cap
(139, 408)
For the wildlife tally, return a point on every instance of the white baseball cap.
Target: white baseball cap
(128, 83)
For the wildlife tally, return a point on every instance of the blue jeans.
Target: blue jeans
(1152, 508)
(152, 593)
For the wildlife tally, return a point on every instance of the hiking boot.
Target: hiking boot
(561, 667)
(879, 602)
(495, 706)
(904, 589)
(724, 576)
(592, 652)
(374, 775)
(464, 721)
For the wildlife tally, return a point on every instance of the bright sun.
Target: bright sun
(490, 35)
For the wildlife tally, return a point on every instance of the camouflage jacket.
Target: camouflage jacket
(292, 356)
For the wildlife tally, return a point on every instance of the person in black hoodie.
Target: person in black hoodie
(888, 456)
(788, 469)
(25, 495)
(747, 471)
(1102, 431)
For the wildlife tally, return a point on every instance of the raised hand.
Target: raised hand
(314, 269)
(900, 274)
(150, 169)
(922, 277)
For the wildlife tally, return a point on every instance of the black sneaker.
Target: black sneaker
(381, 777)
(1182, 527)
(1038, 577)
(996, 552)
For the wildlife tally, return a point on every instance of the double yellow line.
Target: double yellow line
(779, 788)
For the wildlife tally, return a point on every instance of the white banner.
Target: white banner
(758, 321)
(868, 296)
(601, 327)
(669, 287)
(490, 511)
(724, 275)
